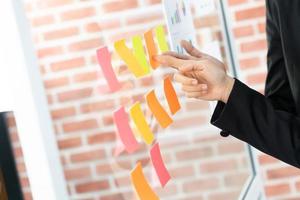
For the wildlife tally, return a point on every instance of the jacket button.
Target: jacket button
(224, 133)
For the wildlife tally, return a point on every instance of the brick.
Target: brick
(207, 184)
(86, 156)
(86, 76)
(190, 121)
(267, 160)
(262, 27)
(236, 2)
(104, 169)
(78, 14)
(243, 31)
(49, 52)
(46, 4)
(56, 82)
(42, 20)
(102, 137)
(144, 18)
(236, 179)
(182, 172)
(97, 106)
(85, 45)
(119, 5)
(195, 153)
(92, 186)
(102, 25)
(63, 112)
(76, 174)
(61, 33)
(18, 153)
(113, 197)
(68, 64)
(108, 120)
(298, 186)
(256, 78)
(277, 189)
(282, 172)
(226, 195)
(24, 182)
(80, 125)
(152, 2)
(254, 46)
(75, 94)
(231, 148)
(248, 63)
(251, 13)
(218, 166)
(69, 143)
(196, 105)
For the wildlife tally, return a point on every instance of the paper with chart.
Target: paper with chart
(179, 22)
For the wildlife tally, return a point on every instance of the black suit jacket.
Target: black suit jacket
(271, 123)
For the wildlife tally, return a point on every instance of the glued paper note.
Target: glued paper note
(141, 124)
(139, 52)
(140, 184)
(171, 96)
(159, 166)
(158, 111)
(161, 39)
(104, 60)
(129, 58)
(124, 130)
(151, 48)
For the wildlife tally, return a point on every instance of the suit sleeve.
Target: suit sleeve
(268, 123)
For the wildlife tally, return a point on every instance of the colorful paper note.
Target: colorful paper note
(151, 48)
(124, 130)
(159, 166)
(171, 96)
(104, 60)
(139, 52)
(140, 184)
(141, 124)
(129, 58)
(161, 39)
(158, 111)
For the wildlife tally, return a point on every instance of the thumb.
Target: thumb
(190, 49)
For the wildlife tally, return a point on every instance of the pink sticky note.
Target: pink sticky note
(104, 60)
(159, 166)
(124, 130)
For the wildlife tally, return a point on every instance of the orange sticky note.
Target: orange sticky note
(129, 58)
(152, 51)
(159, 166)
(158, 111)
(140, 184)
(141, 124)
(171, 96)
(124, 130)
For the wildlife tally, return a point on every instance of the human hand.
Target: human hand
(201, 76)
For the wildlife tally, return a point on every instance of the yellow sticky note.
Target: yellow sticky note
(128, 57)
(141, 124)
(161, 39)
(139, 52)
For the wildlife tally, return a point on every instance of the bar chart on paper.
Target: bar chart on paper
(179, 22)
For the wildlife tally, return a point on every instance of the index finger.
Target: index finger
(171, 61)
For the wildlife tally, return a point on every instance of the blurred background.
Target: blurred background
(203, 165)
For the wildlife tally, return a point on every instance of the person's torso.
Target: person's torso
(288, 22)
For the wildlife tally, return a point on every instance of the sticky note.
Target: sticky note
(141, 124)
(124, 130)
(158, 111)
(129, 58)
(159, 166)
(161, 39)
(139, 52)
(104, 60)
(150, 44)
(140, 184)
(171, 96)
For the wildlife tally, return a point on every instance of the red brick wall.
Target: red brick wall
(203, 165)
